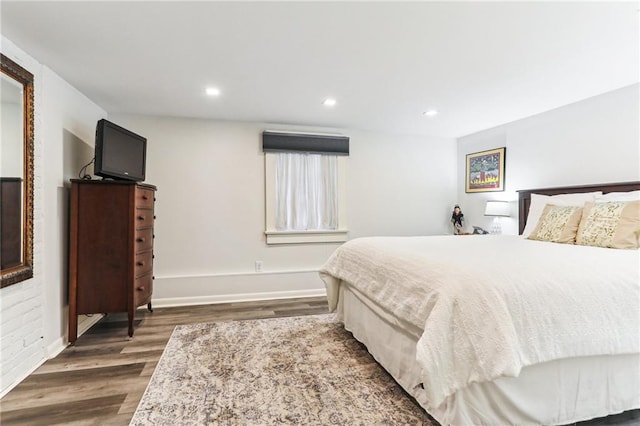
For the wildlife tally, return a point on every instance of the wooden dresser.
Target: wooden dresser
(110, 248)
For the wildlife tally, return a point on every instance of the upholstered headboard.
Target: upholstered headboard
(524, 195)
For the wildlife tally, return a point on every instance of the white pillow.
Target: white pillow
(619, 196)
(538, 201)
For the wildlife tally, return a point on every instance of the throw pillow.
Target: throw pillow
(614, 224)
(558, 224)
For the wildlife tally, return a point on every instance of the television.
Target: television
(119, 153)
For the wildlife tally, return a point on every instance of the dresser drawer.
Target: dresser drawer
(143, 239)
(144, 218)
(144, 197)
(143, 263)
(142, 289)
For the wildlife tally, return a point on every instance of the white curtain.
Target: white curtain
(306, 191)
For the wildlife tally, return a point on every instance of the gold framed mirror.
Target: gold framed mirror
(16, 173)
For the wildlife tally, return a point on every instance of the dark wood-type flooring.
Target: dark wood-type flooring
(101, 379)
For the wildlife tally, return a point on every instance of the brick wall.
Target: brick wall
(33, 313)
(21, 305)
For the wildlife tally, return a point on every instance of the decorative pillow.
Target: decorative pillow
(619, 196)
(614, 224)
(538, 201)
(558, 224)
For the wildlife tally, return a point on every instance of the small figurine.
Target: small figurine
(457, 219)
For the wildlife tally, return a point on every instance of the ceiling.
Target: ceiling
(480, 64)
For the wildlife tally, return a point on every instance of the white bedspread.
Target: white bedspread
(491, 305)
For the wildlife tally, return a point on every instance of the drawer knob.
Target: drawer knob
(140, 263)
(141, 288)
(154, 217)
(140, 240)
(144, 197)
(140, 217)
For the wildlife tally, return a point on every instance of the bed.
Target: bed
(502, 329)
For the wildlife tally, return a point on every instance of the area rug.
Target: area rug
(300, 370)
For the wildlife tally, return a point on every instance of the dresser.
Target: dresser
(110, 248)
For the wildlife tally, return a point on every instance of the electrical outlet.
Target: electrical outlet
(259, 265)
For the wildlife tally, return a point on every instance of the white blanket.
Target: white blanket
(491, 305)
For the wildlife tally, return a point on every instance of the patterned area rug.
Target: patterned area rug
(301, 370)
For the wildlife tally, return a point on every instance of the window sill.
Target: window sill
(306, 237)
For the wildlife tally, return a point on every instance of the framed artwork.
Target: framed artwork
(485, 171)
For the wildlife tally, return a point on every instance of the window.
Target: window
(305, 197)
(306, 191)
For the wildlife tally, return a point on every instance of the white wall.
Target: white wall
(589, 142)
(69, 123)
(33, 313)
(210, 205)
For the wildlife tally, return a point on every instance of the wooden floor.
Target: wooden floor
(101, 379)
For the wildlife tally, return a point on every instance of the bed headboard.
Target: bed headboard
(524, 195)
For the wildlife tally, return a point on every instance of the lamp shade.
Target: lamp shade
(497, 208)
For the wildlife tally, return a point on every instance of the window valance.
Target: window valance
(274, 141)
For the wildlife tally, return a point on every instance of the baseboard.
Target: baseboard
(86, 322)
(229, 298)
(54, 349)
(185, 290)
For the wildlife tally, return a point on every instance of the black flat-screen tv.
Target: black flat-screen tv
(120, 153)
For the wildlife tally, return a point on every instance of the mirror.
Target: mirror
(16, 173)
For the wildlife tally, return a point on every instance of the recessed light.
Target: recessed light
(329, 102)
(213, 91)
(430, 113)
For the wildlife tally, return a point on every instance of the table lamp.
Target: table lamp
(497, 209)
